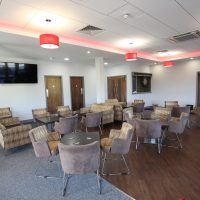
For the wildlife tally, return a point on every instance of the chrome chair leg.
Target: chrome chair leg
(137, 141)
(159, 146)
(179, 141)
(100, 130)
(65, 183)
(99, 181)
(120, 173)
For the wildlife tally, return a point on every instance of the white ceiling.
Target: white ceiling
(149, 25)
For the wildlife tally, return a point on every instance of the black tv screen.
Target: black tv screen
(18, 73)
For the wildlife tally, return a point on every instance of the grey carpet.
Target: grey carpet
(18, 182)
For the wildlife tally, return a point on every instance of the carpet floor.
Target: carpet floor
(18, 180)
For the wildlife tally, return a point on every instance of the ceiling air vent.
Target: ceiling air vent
(185, 36)
(91, 30)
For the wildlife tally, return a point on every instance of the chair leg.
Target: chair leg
(159, 146)
(128, 170)
(99, 180)
(179, 141)
(100, 130)
(65, 182)
(137, 142)
(104, 159)
(120, 173)
(86, 130)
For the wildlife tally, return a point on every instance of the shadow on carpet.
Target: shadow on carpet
(18, 181)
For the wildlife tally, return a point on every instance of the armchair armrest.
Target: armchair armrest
(119, 146)
(114, 133)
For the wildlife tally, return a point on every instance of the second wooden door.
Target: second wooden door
(77, 92)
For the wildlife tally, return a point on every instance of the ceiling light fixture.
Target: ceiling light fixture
(191, 58)
(49, 41)
(88, 52)
(168, 64)
(126, 15)
(131, 56)
(105, 63)
(66, 59)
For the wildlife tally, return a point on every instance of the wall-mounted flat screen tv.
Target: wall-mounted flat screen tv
(18, 73)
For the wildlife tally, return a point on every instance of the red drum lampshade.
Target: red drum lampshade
(49, 41)
(131, 56)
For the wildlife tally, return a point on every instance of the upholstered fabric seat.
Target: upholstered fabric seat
(64, 111)
(5, 113)
(118, 142)
(66, 125)
(148, 129)
(79, 159)
(10, 121)
(92, 120)
(40, 112)
(15, 136)
(177, 126)
(45, 144)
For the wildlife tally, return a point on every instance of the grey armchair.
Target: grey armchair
(93, 119)
(177, 126)
(119, 142)
(79, 159)
(66, 125)
(45, 145)
(148, 129)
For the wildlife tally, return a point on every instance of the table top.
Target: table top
(49, 119)
(80, 138)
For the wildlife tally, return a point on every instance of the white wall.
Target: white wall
(22, 98)
(175, 83)
(126, 69)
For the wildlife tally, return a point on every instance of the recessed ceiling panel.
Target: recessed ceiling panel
(143, 21)
(102, 6)
(167, 12)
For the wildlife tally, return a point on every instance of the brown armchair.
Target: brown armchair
(15, 136)
(10, 121)
(148, 129)
(118, 142)
(66, 125)
(79, 159)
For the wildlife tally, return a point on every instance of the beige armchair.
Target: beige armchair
(45, 145)
(5, 112)
(40, 112)
(161, 113)
(118, 108)
(118, 142)
(79, 159)
(64, 111)
(136, 101)
(15, 136)
(171, 104)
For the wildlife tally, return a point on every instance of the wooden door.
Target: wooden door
(117, 88)
(198, 89)
(54, 97)
(77, 92)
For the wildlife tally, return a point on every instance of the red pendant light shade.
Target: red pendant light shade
(168, 64)
(49, 41)
(131, 56)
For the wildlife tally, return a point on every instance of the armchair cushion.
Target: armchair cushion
(11, 121)
(40, 112)
(5, 112)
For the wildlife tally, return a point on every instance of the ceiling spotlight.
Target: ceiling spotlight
(126, 15)
(105, 63)
(66, 59)
(88, 52)
(191, 58)
(48, 20)
(155, 63)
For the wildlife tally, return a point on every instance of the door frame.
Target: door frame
(83, 88)
(61, 81)
(125, 76)
(198, 89)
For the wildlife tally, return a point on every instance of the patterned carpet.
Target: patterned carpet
(18, 182)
